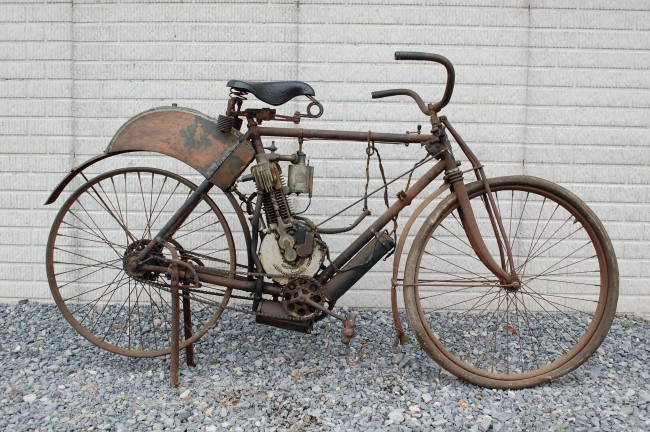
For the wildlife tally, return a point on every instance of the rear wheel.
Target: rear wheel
(99, 231)
(495, 335)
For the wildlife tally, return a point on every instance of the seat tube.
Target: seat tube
(255, 136)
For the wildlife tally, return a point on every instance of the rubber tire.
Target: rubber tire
(61, 302)
(574, 358)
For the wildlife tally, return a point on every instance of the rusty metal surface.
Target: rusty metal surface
(182, 133)
(381, 222)
(187, 325)
(233, 165)
(221, 154)
(175, 344)
(474, 236)
(492, 208)
(553, 368)
(397, 257)
(344, 135)
(74, 172)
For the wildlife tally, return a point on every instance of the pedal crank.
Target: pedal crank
(349, 321)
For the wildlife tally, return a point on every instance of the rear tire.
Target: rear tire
(112, 217)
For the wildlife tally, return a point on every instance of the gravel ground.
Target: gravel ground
(254, 377)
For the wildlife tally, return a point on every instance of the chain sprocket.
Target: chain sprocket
(299, 289)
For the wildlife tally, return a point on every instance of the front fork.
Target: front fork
(455, 178)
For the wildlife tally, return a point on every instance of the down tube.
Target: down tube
(335, 292)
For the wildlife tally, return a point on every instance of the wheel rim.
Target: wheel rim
(509, 335)
(107, 221)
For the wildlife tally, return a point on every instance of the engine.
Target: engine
(309, 249)
(291, 247)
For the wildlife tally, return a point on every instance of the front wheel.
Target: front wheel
(495, 335)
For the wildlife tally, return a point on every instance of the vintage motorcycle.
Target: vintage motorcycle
(510, 281)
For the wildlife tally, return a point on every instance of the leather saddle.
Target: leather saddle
(275, 92)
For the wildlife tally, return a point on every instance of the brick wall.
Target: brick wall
(544, 87)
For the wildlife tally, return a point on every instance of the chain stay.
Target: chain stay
(228, 307)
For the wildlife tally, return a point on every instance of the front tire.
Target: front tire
(496, 336)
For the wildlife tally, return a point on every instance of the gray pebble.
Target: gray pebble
(184, 415)
(485, 423)
(30, 398)
(274, 379)
(439, 422)
(644, 396)
(396, 417)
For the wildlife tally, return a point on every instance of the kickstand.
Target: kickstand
(176, 319)
(175, 354)
(352, 357)
(187, 325)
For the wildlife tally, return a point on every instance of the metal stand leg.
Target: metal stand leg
(349, 328)
(176, 319)
(187, 325)
(175, 354)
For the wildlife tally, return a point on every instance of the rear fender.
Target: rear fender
(184, 134)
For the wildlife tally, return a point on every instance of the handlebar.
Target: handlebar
(449, 86)
(403, 92)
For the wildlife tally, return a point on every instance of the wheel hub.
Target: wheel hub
(131, 263)
(513, 286)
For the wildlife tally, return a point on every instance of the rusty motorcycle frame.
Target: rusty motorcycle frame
(528, 294)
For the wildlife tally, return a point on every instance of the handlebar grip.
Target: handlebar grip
(384, 93)
(402, 92)
(451, 75)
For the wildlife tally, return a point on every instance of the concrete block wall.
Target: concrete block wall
(550, 88)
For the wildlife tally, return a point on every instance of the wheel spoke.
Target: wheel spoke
(196, 230)
(98, 199)
(164, 206)
(97, 269)
(84, 239)
(536, 345)
(496, 333)
(534, 295)
(105, 265)
(118, 286)
(539, 252)
(113, 246)
(460, 267)
(116, 211)
(117, 306)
